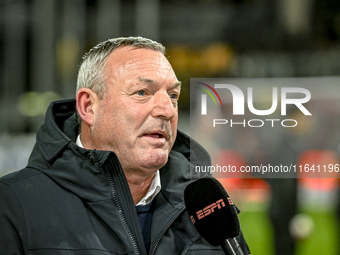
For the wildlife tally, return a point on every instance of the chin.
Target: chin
(156, 161)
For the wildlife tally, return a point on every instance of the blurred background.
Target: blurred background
(42, 42)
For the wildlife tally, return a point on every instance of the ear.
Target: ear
(87, 101)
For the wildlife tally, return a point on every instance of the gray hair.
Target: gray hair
(91, 72)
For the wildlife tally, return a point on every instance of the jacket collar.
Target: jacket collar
(58, 130)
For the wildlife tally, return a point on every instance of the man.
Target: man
(112, 181)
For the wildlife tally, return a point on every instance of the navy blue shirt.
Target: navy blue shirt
(144, 213)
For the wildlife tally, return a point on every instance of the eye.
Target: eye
(141, 93)
(174, 96)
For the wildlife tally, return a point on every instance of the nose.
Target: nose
(164, 107)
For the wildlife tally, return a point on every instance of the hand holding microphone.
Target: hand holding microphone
(213, 214)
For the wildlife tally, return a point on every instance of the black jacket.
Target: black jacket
(70, 200)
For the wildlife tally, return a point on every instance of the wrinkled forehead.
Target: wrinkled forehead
(139, 62)
(131, 55)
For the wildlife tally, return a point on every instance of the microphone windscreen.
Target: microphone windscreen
(211, 210)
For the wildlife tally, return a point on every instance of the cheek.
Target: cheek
(174, 123)
(106, 119)
(126, 120)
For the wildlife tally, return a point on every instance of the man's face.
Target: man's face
(137, 117)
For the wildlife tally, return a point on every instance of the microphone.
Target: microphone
(213, 213)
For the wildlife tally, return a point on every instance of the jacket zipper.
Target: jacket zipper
(120, 211)
(159, 237)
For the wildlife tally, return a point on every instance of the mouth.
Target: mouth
(156, 135)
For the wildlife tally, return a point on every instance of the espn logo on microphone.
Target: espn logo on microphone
(210, 209)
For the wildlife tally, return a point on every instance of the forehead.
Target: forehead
(132, 62)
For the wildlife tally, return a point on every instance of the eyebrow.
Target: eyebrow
(151, 81)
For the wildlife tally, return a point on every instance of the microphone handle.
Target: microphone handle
(231, 247)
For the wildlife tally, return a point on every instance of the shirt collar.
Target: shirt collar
(155, 186)
(154, 189)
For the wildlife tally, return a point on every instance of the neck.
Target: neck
(138, 187)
